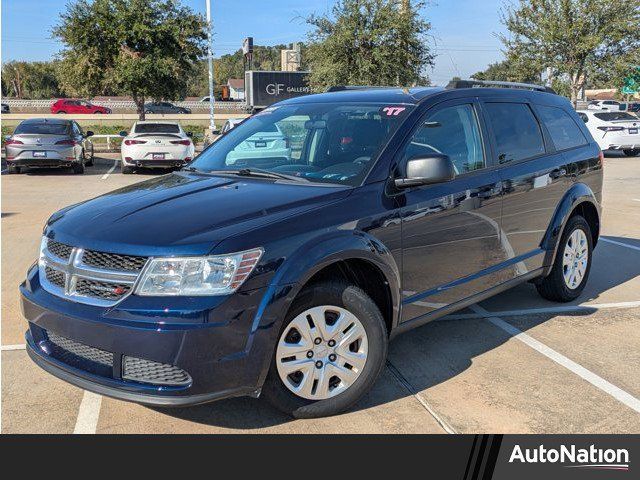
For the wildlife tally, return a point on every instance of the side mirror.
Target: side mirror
(216, 132)
(88, 134)
(123, 133)
(435, 168)
(189, 134)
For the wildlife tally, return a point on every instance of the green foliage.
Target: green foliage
(146, 48)
(507, 71)
(576, 38)
(369, 42)
(30, 80)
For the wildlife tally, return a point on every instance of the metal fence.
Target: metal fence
(124, 104)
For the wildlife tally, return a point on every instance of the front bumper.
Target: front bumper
(225, 344)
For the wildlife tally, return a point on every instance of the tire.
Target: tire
(351, 303)
(13, 169)
(60, 111)
(97, 112)
(631, 152)
(88, 161)
(125, 170)
(555, 287)
(78, 167)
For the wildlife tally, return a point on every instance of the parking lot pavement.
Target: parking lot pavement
(514, 363)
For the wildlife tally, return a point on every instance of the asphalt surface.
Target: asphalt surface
(514, 364)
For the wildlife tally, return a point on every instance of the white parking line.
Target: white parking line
(636, 199)
(20, 346)
(534, 311)
(598, 382)
(88, 413)
(620, 244)
(106, 175)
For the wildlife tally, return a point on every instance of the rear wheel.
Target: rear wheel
(632, 152)
(125, 169)
(78, 167)
(89, 159)
(330, 352)
(571, 267)
(14, 169)
(61, 111)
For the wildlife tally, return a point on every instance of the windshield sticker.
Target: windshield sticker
(393, 111)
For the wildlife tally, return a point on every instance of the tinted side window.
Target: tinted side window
(563, 130)
(516, 131)
(453, 131)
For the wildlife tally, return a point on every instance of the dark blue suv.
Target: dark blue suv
(283, 264)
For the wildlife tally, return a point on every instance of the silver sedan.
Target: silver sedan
(49, 142)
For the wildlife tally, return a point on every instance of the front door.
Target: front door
(450, 231)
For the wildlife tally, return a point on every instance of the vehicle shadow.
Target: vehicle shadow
(432, 354)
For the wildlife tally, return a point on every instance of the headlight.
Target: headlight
(213, 275)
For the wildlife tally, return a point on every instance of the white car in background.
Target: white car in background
(610, 105)
(155, 144)
(614, 130)
(230, 124)
(264, 149)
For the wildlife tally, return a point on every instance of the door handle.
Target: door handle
(560, 172)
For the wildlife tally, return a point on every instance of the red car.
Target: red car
(71, 105)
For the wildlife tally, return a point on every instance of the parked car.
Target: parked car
(612, 105)
(5, 108)
(155, 144)
(164, 108)
(70, 105)
(614, 130)
(229, 124)
(268, 146)
(49, 142)
(633, 107)
(287, 280)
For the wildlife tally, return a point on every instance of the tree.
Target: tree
(369, 42)
(507, 71)
(572, 37)
(30, 80)
(144, 48)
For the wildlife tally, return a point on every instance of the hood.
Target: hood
(183, 213)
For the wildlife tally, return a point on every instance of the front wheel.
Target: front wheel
(330, 351)
(631, 152)
(572, 265)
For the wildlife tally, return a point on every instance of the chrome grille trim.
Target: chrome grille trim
(74, 269)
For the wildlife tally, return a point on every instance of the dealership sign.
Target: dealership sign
(266, 88)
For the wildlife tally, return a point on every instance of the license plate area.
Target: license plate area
(157, 156)
(633, 131)
(261, 144)
(39, 154)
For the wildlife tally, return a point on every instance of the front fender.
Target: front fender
(578, 193)
(333, 247)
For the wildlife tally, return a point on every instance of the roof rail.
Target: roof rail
(493, 83)
(341, 88)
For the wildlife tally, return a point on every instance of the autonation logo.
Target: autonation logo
(590, 458)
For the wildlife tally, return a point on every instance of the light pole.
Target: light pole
(212, 125)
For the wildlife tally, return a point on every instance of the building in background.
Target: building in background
(290, 59)
(236, 89)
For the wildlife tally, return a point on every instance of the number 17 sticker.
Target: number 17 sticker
(393, 111)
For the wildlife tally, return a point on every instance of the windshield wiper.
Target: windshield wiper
(258, 172)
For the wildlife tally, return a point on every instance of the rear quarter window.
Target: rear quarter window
(157, 128)
(516, 131)
(563, 130)
(614, 116)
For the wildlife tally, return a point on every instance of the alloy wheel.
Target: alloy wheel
(322, 352)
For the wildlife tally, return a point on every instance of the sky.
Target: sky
(462, 31)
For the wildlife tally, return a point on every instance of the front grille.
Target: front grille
(56, 277)
(146, 371)
(104, 290)
(81, 356)
(58, 249)
(113, 261)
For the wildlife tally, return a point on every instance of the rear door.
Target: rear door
(535, 176)
(450, 231)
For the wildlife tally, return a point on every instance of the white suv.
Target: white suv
(614, 130)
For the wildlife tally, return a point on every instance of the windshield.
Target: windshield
(614, 116)
(157, 128)
(42, 128)
(328, 143)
